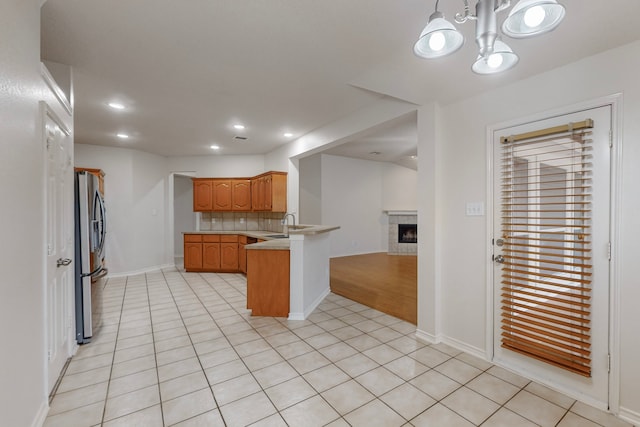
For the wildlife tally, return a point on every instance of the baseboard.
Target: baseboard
(310, 308)
(629, 416)
(474, 351)
(296, 316)
(141, 271)
(426, 337)
(316, 302)
(41, 415)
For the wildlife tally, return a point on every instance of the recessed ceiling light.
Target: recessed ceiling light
(414, 157)
(288, 134)
(122, 135)
(375, 153)
(239, 127)
(215, 147)
(116, 105)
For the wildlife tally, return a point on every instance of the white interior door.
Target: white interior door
(59, 229)
(593, 388)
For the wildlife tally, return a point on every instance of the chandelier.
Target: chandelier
(528, 18)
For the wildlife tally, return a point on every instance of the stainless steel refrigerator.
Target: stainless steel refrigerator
(90, 233)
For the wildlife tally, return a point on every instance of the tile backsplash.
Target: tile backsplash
(241, 221)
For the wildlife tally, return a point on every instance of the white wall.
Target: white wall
(399, 188)
(311, 189)
(183, 215)
(352, 199)
(135, 200)
(461, 150)
(23, 376)
(219, 166)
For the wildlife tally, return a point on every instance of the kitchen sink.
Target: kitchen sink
(277, 236)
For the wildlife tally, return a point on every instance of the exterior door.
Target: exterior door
(59, 229)
(535, 257)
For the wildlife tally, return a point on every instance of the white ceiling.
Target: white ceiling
(188, 70)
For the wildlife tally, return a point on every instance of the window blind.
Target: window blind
(546, 237)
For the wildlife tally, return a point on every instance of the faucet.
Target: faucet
(285, 220)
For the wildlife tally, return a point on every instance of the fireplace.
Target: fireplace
(407, 233)
(403, 232)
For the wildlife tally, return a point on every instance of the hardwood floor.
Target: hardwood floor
(385, 282)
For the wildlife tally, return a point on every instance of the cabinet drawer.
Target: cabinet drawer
(193, 238)
(211, 238)
(229, 238)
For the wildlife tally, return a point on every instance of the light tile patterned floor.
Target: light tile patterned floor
(181, 349)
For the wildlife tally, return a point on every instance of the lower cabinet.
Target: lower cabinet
(192, 252)
(229, 252)
(268, 282)
(211, 252)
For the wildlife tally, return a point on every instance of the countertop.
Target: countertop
(272, 243)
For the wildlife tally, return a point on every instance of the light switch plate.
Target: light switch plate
(475, 209)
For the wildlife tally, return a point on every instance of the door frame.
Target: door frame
(615, 101)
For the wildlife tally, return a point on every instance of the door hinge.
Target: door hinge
(609, 251)
(610, 138)
(49, 355)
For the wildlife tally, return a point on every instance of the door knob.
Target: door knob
(63, 261)
(499, 259)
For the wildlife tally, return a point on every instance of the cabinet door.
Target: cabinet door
(222, 195)
(211, 256)
(242, 258)
(192, 256)
(278, 193)
(267, 193)
(229, 256)
(202, 195)
(241, 194)
(255, 194)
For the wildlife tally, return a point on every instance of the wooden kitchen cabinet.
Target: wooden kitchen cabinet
(229, 252)
(241, 194)
(202, 195)
(262, 193)
(210, 252)
(269, 192)
(222, 200)
(268, 282)
(192, 252)
(242, 252)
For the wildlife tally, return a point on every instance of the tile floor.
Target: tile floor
(181, 349)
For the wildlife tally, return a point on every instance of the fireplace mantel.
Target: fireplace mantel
(398, 213)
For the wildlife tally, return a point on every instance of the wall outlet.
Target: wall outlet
(241, 220)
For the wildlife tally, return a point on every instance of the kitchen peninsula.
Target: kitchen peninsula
(287, 274)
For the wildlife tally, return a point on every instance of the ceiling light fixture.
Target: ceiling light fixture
(239, 127)
(528, 18)
(116, 105)
(122, 135)
(287, 134)
(215, 147)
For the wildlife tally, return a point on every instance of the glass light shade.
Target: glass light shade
(439, 38)
(500, 60)
(529, 18)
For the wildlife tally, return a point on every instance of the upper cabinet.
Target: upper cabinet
(269, 192)
(222, 196)
(202, 195)
(266, 192)
(241, 194)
